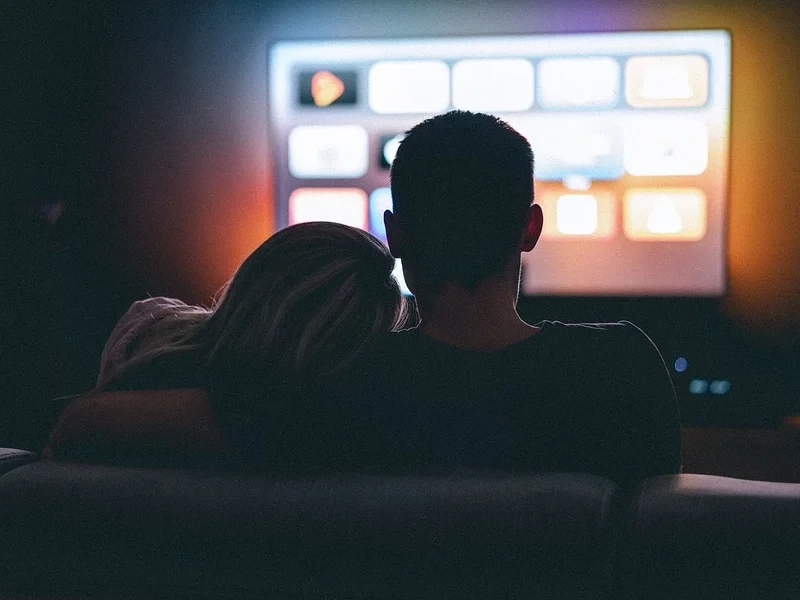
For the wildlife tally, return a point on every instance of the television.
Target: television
(630, 132)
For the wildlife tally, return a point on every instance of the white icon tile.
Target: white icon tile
(339, 205)
(579, 215)
(328, 151)
(493, 85)
(576, 214)
(676, 147)
(567, 147)
(666, 81)
(578, 82)
(405, 87)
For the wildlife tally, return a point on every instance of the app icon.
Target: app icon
(578, 215)
(566, 148)
(389, 146)
(666, 81)
(665, 214)
(328, 151)
(578, 82)
(674, 147)
(325, 88)
(380, 201)
(339, 205)
(410, 86)
(493, 85)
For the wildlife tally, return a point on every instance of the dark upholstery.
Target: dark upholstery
(698, 536)
(69, 530)
(11, 458)
(89, 529)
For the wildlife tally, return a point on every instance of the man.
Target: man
(475, 386)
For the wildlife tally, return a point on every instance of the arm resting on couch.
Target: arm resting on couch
(133, 424)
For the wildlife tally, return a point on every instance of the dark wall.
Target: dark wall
(59, 275)
(134, 164)
(135, 157)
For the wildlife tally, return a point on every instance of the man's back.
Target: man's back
(589, 398)
(476, 387)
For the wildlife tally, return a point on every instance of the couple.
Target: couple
(304, 365)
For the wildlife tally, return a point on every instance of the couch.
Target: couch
(81, 530)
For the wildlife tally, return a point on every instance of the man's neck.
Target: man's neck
(482, 319)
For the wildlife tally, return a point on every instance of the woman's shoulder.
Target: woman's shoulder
(184, 369)
(139, 317)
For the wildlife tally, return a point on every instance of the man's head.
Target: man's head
(462, 190)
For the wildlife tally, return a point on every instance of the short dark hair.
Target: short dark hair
(462, 184)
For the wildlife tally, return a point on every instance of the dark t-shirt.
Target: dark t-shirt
(593, 398)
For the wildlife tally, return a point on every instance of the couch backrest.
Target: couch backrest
(699, 536)
(11, 458)
(121, 532)
(69, 528)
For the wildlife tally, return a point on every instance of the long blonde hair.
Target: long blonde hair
(305, 302)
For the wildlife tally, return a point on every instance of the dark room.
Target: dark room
(273, 327)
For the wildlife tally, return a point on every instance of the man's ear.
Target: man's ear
(395, 236)
(533, 228)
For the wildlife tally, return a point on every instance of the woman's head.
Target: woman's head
(305, 302)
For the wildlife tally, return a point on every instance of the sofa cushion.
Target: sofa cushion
(700, 536)
(85, 529)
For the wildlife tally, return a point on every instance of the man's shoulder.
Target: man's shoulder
(619, 333)
(589, 329)
(618, 350)
(409, 343)
(620, 353)
(609, 347)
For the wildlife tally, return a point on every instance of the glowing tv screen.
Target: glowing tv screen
(630, 133)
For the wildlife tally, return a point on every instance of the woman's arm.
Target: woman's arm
(137, 425)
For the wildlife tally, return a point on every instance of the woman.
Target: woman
(251, 371)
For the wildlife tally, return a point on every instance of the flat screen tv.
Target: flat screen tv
(630, 132)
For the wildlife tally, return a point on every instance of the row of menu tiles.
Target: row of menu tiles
(562, 148)
(513, 84)
(645, 214)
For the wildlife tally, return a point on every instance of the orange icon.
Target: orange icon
(326, 88)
